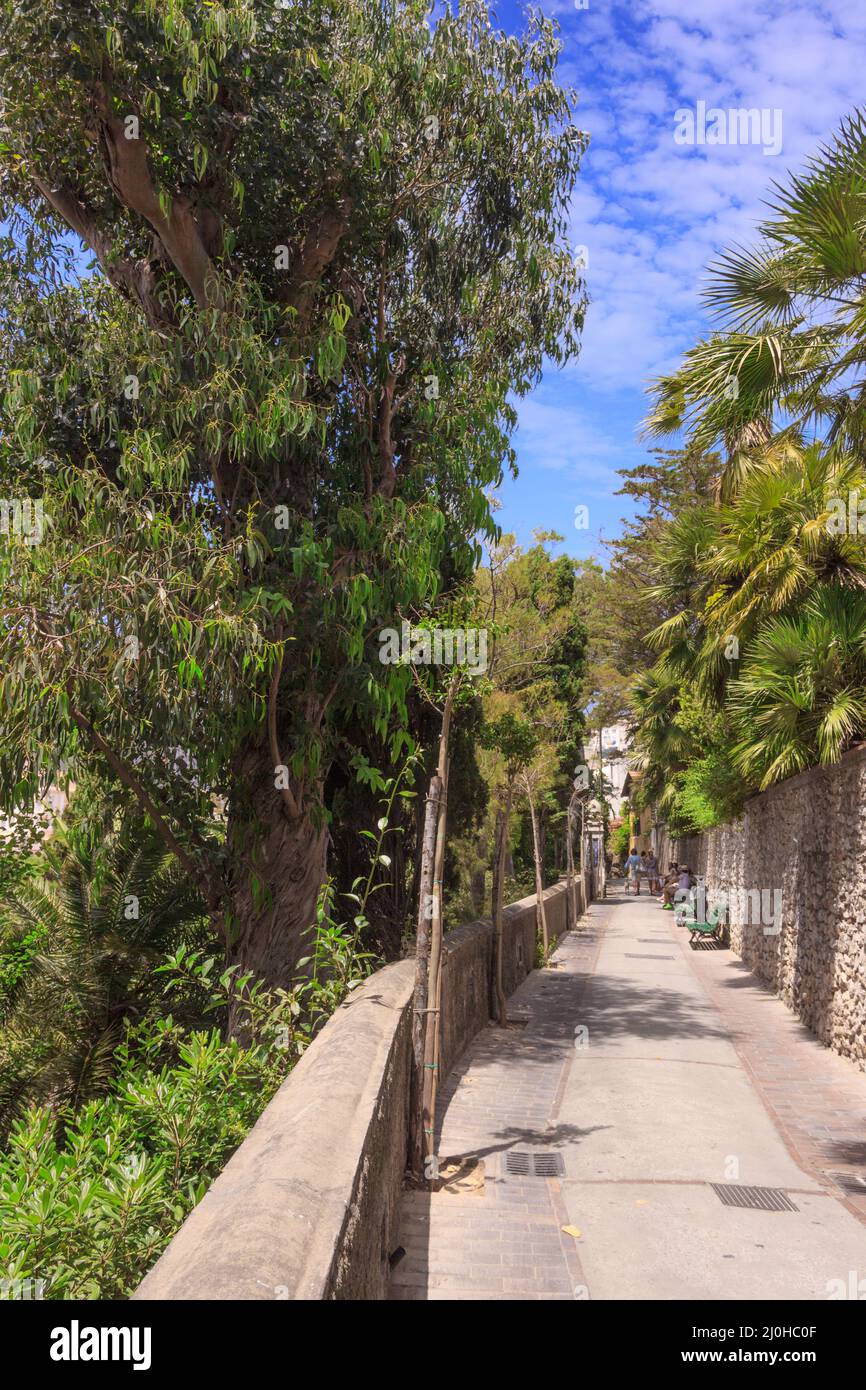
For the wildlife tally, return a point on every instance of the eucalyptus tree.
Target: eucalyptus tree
(274, 274)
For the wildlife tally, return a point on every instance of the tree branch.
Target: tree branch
(318, 249)
(136, 278)
(130, 177)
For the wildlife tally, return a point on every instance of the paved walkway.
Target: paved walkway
(686, 1073)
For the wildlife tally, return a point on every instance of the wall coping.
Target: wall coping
(256, 1219)
(277, 1221)
(823, 770)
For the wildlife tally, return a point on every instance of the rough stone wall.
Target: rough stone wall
(307, 1207)
(467, 965)
(804, 839)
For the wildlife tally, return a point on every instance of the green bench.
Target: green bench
(711, 930)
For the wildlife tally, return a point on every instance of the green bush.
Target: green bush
(90, 1197)
(82, 926)
(619, 838)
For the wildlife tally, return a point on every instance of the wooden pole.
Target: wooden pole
(540, 914)
(571, 904)
(432, 1030)
(503, 816)
(422, 963)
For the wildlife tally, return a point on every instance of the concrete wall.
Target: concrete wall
(307, 1207)
(804, 840)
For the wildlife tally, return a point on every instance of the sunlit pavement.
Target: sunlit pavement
(648, 1072)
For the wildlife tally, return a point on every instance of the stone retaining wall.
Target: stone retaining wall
(307, 1206)
(804, 839)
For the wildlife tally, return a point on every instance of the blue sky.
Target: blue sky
(653, 213)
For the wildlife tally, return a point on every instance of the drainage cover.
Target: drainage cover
(637, 955)
(850, 1182)
(756, 1198)
(537, 1165)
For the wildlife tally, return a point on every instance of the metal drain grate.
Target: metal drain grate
(637, 955)
(850, 1182)
(548, 1165)
(536, 1165)
(755, 1198)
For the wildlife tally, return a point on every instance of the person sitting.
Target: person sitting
(684, 898)
(685, 882)
(669, 886)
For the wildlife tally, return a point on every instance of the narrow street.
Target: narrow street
(645, 1072)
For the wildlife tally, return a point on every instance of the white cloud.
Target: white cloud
(654, 214)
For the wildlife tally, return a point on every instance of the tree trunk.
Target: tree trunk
(540, 914)
(430, 1080)
(503, 815)
(422, 959)
(273, 897)
(571, 904)
(428, 958)
(477, 882)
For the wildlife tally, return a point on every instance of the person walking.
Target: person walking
(633, 869)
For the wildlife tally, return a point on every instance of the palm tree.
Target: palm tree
(733, 567)
(765, 596)
(103, 913)
(662, 747)
(791, 345)
(800, 698)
